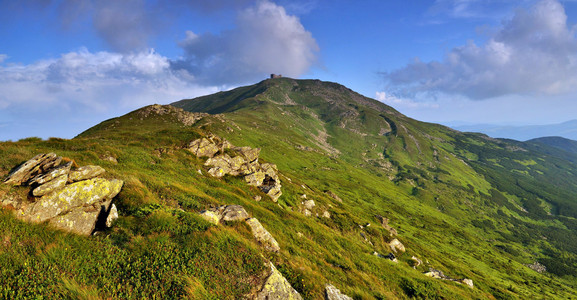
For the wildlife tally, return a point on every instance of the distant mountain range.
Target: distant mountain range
(523, 133)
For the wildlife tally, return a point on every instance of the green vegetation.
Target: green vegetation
(468, 205)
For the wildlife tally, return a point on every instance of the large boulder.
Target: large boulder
(249, 153)
(30, 168)
(80, 220)
(225, 213)
(332, 293)
(277, 287)
(262, 235)
(83, 193)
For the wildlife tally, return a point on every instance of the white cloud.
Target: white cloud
(3, 57)
(402, 103)
(266, 40)
(535, 52)
(89, 87)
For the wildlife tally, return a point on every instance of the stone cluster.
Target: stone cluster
(225, 159)
(68, 198)
(237, 213)
(439, 275)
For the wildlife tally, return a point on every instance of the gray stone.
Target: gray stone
(51, 186)
(249, 153)
(85, 172)
(112, 216)
(51, 174)
(262, 235)
(277, 287)
(309, 204)
(234, 213)
(332, 293)
(29, 169)
(210, 216)
(397, 246)
(79, 220)
(82, 193)
(203, 147)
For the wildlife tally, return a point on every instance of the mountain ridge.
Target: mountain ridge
(500, 213)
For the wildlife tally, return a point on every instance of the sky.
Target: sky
(68, 65)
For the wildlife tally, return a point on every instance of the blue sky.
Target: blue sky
(68, 65)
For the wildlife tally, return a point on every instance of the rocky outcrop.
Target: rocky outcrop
(262, 235)
(225, 159)
(396, 246)
(70, 199)
(277, 287)
(439, 275)
(332, 293)
(237, 213)
(537, 267)
(185, 117)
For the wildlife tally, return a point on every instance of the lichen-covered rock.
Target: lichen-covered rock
(262, 235)
(309, 204)
(397, 246)
(210, 216)
(112, 216)
(255, 179)
(234, 213)
(55, 172)
(277, 287)
(435, 274)
(85, 172)
(203, 147)
(216, 172)
(82, 193)
(332, 293)
(29, 169)
(468, 282)
(249, 153)
(80, 220)
(51, 186)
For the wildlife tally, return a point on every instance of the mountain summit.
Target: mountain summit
(301, 189)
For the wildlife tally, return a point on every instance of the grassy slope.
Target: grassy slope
(437, 187)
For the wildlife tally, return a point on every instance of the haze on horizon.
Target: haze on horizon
(68, 65)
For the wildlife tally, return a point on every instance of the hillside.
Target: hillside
(557, 142)
(463, 215)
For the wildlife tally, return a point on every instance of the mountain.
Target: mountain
(522, 133)
(557, 142)
(351, 194)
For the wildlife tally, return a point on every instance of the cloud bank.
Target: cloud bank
(266, 40)
(535, 52)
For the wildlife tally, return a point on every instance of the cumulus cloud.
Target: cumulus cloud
(266, 40)
(401, 103)
(90, 87)
(535, 52)
(3, 57)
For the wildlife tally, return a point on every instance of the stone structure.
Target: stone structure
(272, 76)
(75, 200)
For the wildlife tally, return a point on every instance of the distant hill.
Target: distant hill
(567, 130)
(557, 142)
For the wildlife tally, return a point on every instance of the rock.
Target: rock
(277, 287)
(417, 261)
(234, 213)
(85, 172)
(307, 213)
(396, 246)
(257, 198)
(248, 153)
(82, 193)
(112, 216)
(273, 192)
(309, 204)
(210, 216)
(435, 274)
(332, 293)
(216, 172)
(468, 282)
(326, 214)
(262, 235)
(79, 220)
(385, 223)
(203, 147)
(58, 171)
(51, 186)
(29, 169)
(537, 267)
(109, 158)
(255, 179)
